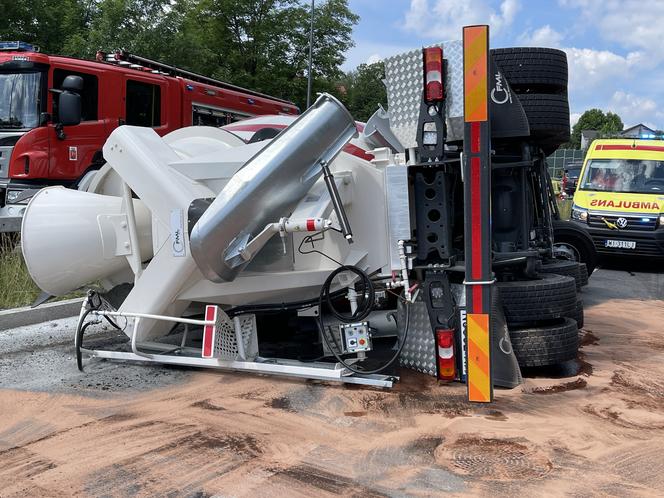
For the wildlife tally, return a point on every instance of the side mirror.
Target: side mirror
(69, 108)
(73, 84)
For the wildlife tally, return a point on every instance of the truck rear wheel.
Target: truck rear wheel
(527, 69)
(563, 267)
(548, 116)
(583, 274)
(578, 314)
(531, 301)
(547, 344)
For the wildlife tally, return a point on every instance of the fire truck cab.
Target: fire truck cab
(42, 144)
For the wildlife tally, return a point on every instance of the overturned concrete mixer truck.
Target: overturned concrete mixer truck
(322, 248)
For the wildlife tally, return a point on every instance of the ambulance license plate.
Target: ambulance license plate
(620, 244)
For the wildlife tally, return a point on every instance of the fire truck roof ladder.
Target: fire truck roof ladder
(133, 61)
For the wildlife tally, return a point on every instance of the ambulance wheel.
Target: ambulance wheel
(548, 117)
(549, 298)
(577, 248)
(543, 70)
(546, 344)
(562, 267)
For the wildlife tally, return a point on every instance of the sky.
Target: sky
(615, 48)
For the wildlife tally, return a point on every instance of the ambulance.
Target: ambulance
(619, 197)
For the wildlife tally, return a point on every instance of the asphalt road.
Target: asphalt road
(626, 279)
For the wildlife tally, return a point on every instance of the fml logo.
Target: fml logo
(177, 233)
(500, 94)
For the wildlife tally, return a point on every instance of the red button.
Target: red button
(362, 341)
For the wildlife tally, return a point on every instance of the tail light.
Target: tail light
(433, 74)
(446, 360)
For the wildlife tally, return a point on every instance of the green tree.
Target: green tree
(264, 44)
(595, 119)
(46, 23)
(260, 44)
(362, 90)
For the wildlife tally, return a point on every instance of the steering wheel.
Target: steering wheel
(654, 184)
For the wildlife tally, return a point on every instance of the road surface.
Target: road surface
(132, 430)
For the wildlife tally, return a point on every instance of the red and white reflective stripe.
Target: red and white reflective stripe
(653, 148)
(209, 331)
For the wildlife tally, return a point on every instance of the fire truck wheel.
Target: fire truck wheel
(85, 181)
(528, 302)
(548, 117)
(542, 70)
(547, 344)
(118, 294)
(563, 267)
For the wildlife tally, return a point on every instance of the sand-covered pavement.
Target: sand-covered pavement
(121, 430)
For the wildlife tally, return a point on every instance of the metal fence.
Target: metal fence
(559, 159)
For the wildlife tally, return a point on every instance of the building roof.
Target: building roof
(637, 130)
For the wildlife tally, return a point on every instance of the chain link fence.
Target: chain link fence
(560, 158)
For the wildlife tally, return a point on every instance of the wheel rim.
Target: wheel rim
(566, 251)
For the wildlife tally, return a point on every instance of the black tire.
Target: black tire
(548, 117)
(543, 70)
(546, 345)
(578, 314)
(583, 274)
(531, 301)
(562, 267)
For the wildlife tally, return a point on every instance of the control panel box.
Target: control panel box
(355, 337)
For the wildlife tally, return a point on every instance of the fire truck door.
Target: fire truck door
(76, 148)
(145, 101)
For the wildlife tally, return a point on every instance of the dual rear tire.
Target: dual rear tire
(538, 76)
(543, 317)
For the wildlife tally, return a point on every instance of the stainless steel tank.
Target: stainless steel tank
(268, 187)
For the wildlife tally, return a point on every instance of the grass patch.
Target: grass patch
(16, 286)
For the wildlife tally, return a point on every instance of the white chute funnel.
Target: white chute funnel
(71, 238)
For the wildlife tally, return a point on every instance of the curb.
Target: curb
(20, 317)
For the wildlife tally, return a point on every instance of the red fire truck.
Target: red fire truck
(44, 142)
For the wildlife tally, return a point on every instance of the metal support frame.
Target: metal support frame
(135, 260)
(477, 212)
(187, 356)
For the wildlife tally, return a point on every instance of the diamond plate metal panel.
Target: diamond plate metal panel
(419, 351)
(404, 82)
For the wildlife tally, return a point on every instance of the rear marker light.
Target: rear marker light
(446, 360)
(433, 74)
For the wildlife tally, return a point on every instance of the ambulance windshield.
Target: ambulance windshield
(634, 176)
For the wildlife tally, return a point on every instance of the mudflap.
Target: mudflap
(506, 371)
